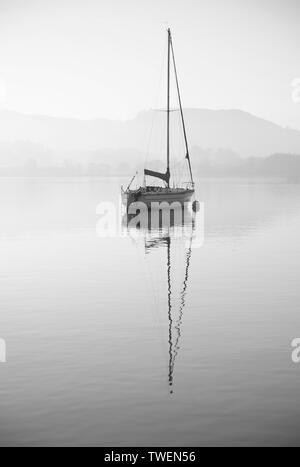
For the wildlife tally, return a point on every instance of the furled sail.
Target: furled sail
(165, 177)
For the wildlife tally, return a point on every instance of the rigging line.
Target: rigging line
(180, 147)
(156, 101)
(181, 110)
(165, 110)
(153, 293)
(176, 141)
(157, 308)
(149, 139)
(182, 304)
(170, 376)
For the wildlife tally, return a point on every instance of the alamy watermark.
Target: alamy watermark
(296, 352)
(296, 90)
(2, 351)
(176, 219)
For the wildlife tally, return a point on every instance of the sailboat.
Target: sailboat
(147, 193)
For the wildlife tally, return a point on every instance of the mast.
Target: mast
(168, 109)
(166, 176)
(181, 110)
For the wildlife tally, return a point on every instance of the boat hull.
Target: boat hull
(169, 196)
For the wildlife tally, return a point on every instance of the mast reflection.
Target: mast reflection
(161, 234)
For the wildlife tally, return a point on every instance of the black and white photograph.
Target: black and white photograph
(149, 226)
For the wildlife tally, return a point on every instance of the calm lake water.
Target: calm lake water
(138, 340)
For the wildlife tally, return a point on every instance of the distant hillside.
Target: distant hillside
(221, 142)
(239, 131)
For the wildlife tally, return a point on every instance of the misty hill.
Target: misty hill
(239, 131)
(221, 142)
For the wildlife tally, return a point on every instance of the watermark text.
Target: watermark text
(296, 90)
(296, 352)
(2, 351)
(176, 219)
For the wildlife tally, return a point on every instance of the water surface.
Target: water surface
(138, 341)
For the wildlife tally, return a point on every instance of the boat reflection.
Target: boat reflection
(162, 234)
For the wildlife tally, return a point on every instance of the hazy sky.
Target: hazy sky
(104, 58)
